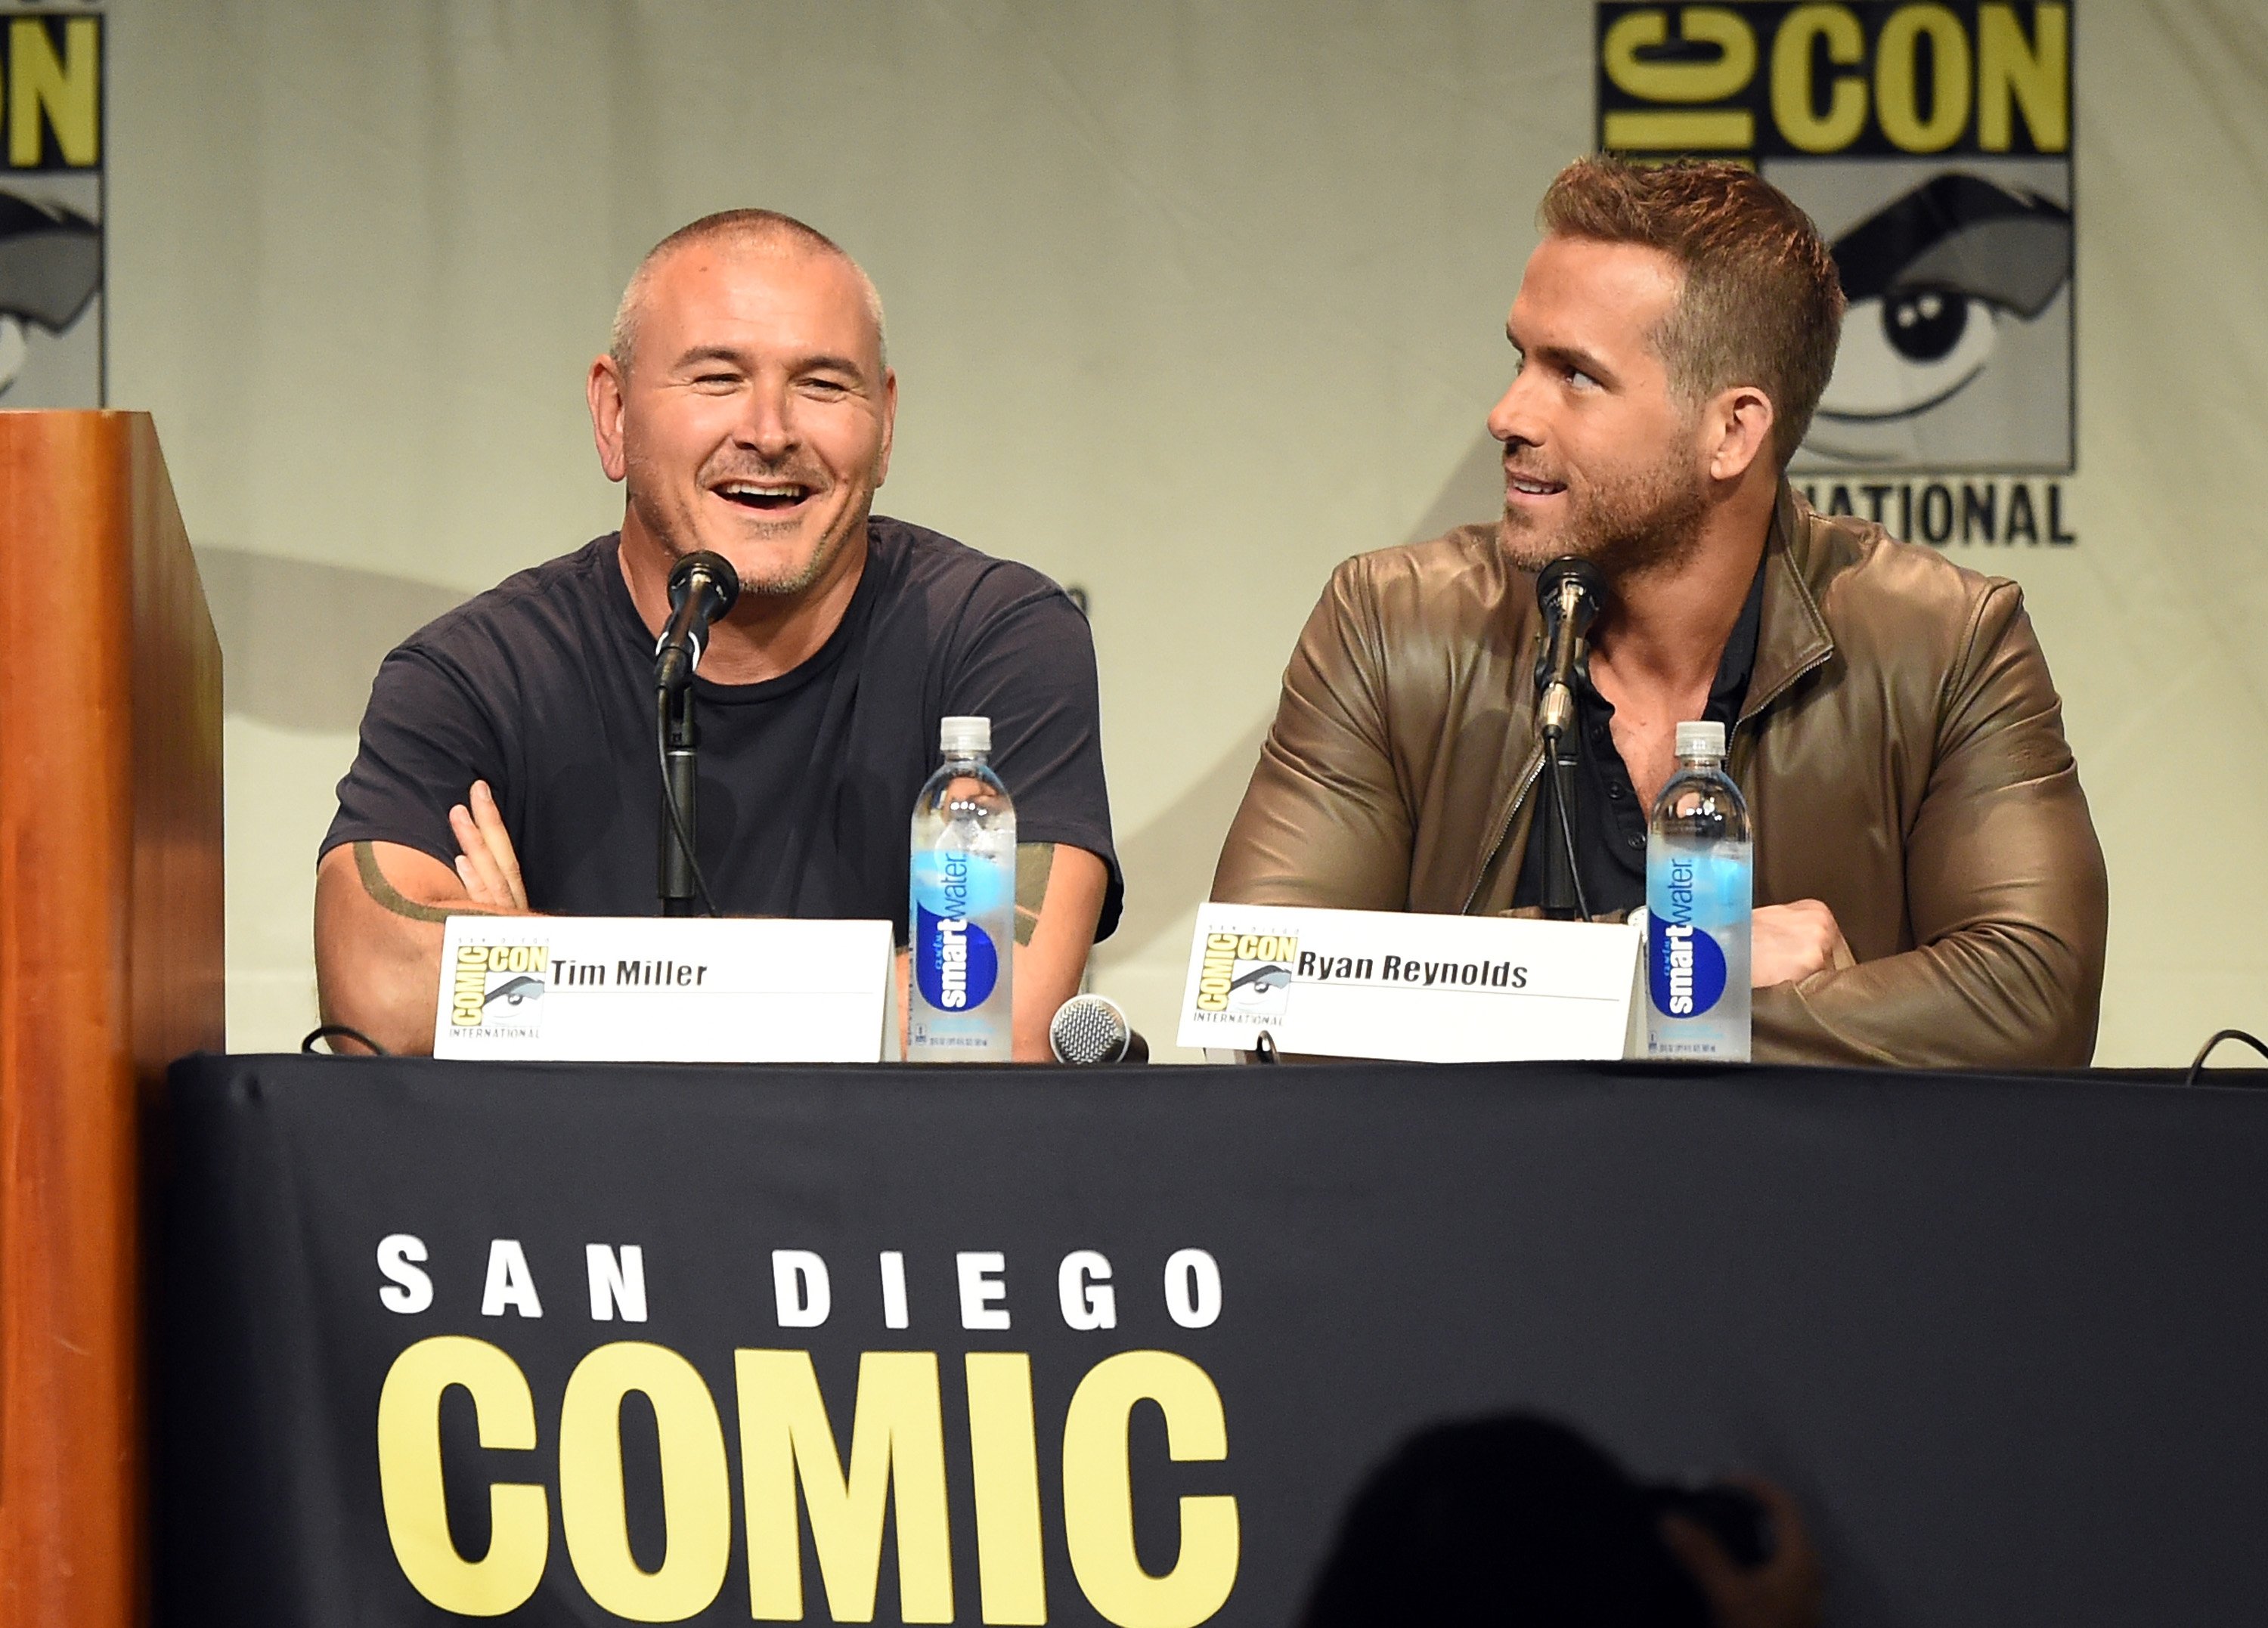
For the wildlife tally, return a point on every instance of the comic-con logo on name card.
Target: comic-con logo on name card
(1247, 975)
(52, 329)
(498, 989)
(1931, 141)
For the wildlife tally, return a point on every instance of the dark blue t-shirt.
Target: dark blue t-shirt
(543, 686)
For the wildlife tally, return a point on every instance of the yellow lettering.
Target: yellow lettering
(1791, 91)
(63, 92)
(1004, 1457)
(469, 987)
(697, 1495)
(1217, 972)
(897, 1444)
(1681, 81)
(410, 1478)
(2036, 73)
(1897, 90)
(1098, 1493)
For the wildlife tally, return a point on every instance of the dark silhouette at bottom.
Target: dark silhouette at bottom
(1520, 1520)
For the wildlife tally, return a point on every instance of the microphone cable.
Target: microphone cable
(2206, 1050)
(1566, 823)
(677, 825)
(338, 1032)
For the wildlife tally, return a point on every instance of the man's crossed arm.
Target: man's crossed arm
(381, 909)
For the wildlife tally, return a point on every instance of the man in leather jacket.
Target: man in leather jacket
(1929, 889)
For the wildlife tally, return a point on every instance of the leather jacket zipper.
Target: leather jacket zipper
(1528, 778)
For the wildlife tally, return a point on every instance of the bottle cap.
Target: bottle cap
(1703, 739)
(961, 737)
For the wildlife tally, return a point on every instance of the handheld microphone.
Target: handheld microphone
(1572, 592)
(702, 588)
(1092, 1029)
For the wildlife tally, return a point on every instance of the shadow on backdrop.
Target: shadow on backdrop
(301, 641)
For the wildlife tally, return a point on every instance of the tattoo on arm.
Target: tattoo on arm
(1033, 861)
(391, 898)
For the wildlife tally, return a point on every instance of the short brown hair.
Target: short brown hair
(1761, 302)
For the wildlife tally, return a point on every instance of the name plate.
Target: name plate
(1434, 989)
(665, 990)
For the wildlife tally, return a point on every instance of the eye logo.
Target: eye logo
(1956, 340)
(1928, 278)
(53, 212)
(50, 271)
(1260, 989)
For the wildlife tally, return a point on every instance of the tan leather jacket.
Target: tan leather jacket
(1901, 747)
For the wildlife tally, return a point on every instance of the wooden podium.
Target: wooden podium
(110, 967)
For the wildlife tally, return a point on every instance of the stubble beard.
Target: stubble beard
(1647, 522)
(791, 581)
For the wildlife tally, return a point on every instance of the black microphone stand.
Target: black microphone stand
(680, 778)
(1570, 592)
(701, 587)
(1562, 899)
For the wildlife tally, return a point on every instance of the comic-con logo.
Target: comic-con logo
(499, 987)
(52, 210)
(1930, 141)
(1246, 974)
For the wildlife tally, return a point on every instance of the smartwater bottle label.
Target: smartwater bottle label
(956, 964)
(1687, 968)
(1692, 898)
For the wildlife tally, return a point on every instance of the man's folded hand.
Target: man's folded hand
(486, 865)
(1789, 943)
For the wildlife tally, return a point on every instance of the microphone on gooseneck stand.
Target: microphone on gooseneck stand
(702, 588)
(1092, 1029)
(1571, 593)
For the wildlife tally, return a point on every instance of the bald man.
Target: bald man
(508, 761)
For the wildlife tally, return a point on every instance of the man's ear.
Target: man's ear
(604, 388)
(889, 424)
(1738, 428)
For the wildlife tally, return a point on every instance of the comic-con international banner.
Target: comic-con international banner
(51, 210)
(446, 1342)
(1931, 142)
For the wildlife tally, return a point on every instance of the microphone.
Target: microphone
(1092, 1029)
(1572, 592)
(702, 588)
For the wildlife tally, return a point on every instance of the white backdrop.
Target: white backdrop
(1189, 301)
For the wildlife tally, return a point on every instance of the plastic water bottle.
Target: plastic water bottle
(1700, 883)
(963, 925)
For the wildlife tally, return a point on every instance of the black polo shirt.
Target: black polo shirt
(1610, 821)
